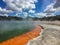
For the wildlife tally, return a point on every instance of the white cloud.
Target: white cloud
(49, 14)
(53, 8)
(57, 4)
(17, 15)
(58, 9)
(18, 5)
(40, 14)
(4, 11)
(25, 14)
(4, 15)
(1, 14)
(50, 7)
(50, 10)
(46, 15)
(57, 12)
(31, 11)
(31, 15)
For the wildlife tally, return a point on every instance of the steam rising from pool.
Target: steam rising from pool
(9, 29)
(11, 25)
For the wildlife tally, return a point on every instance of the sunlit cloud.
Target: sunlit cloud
(18, 5)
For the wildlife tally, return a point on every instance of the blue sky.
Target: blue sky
(29, 7)
(41, 5)
(2, 4)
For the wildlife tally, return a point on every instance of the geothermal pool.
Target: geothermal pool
(10, 29)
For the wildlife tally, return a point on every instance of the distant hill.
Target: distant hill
(51, 18)
(10, 18)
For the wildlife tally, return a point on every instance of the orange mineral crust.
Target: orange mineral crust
(24, 38)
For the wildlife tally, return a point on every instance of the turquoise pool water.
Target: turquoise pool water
(10, 29)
